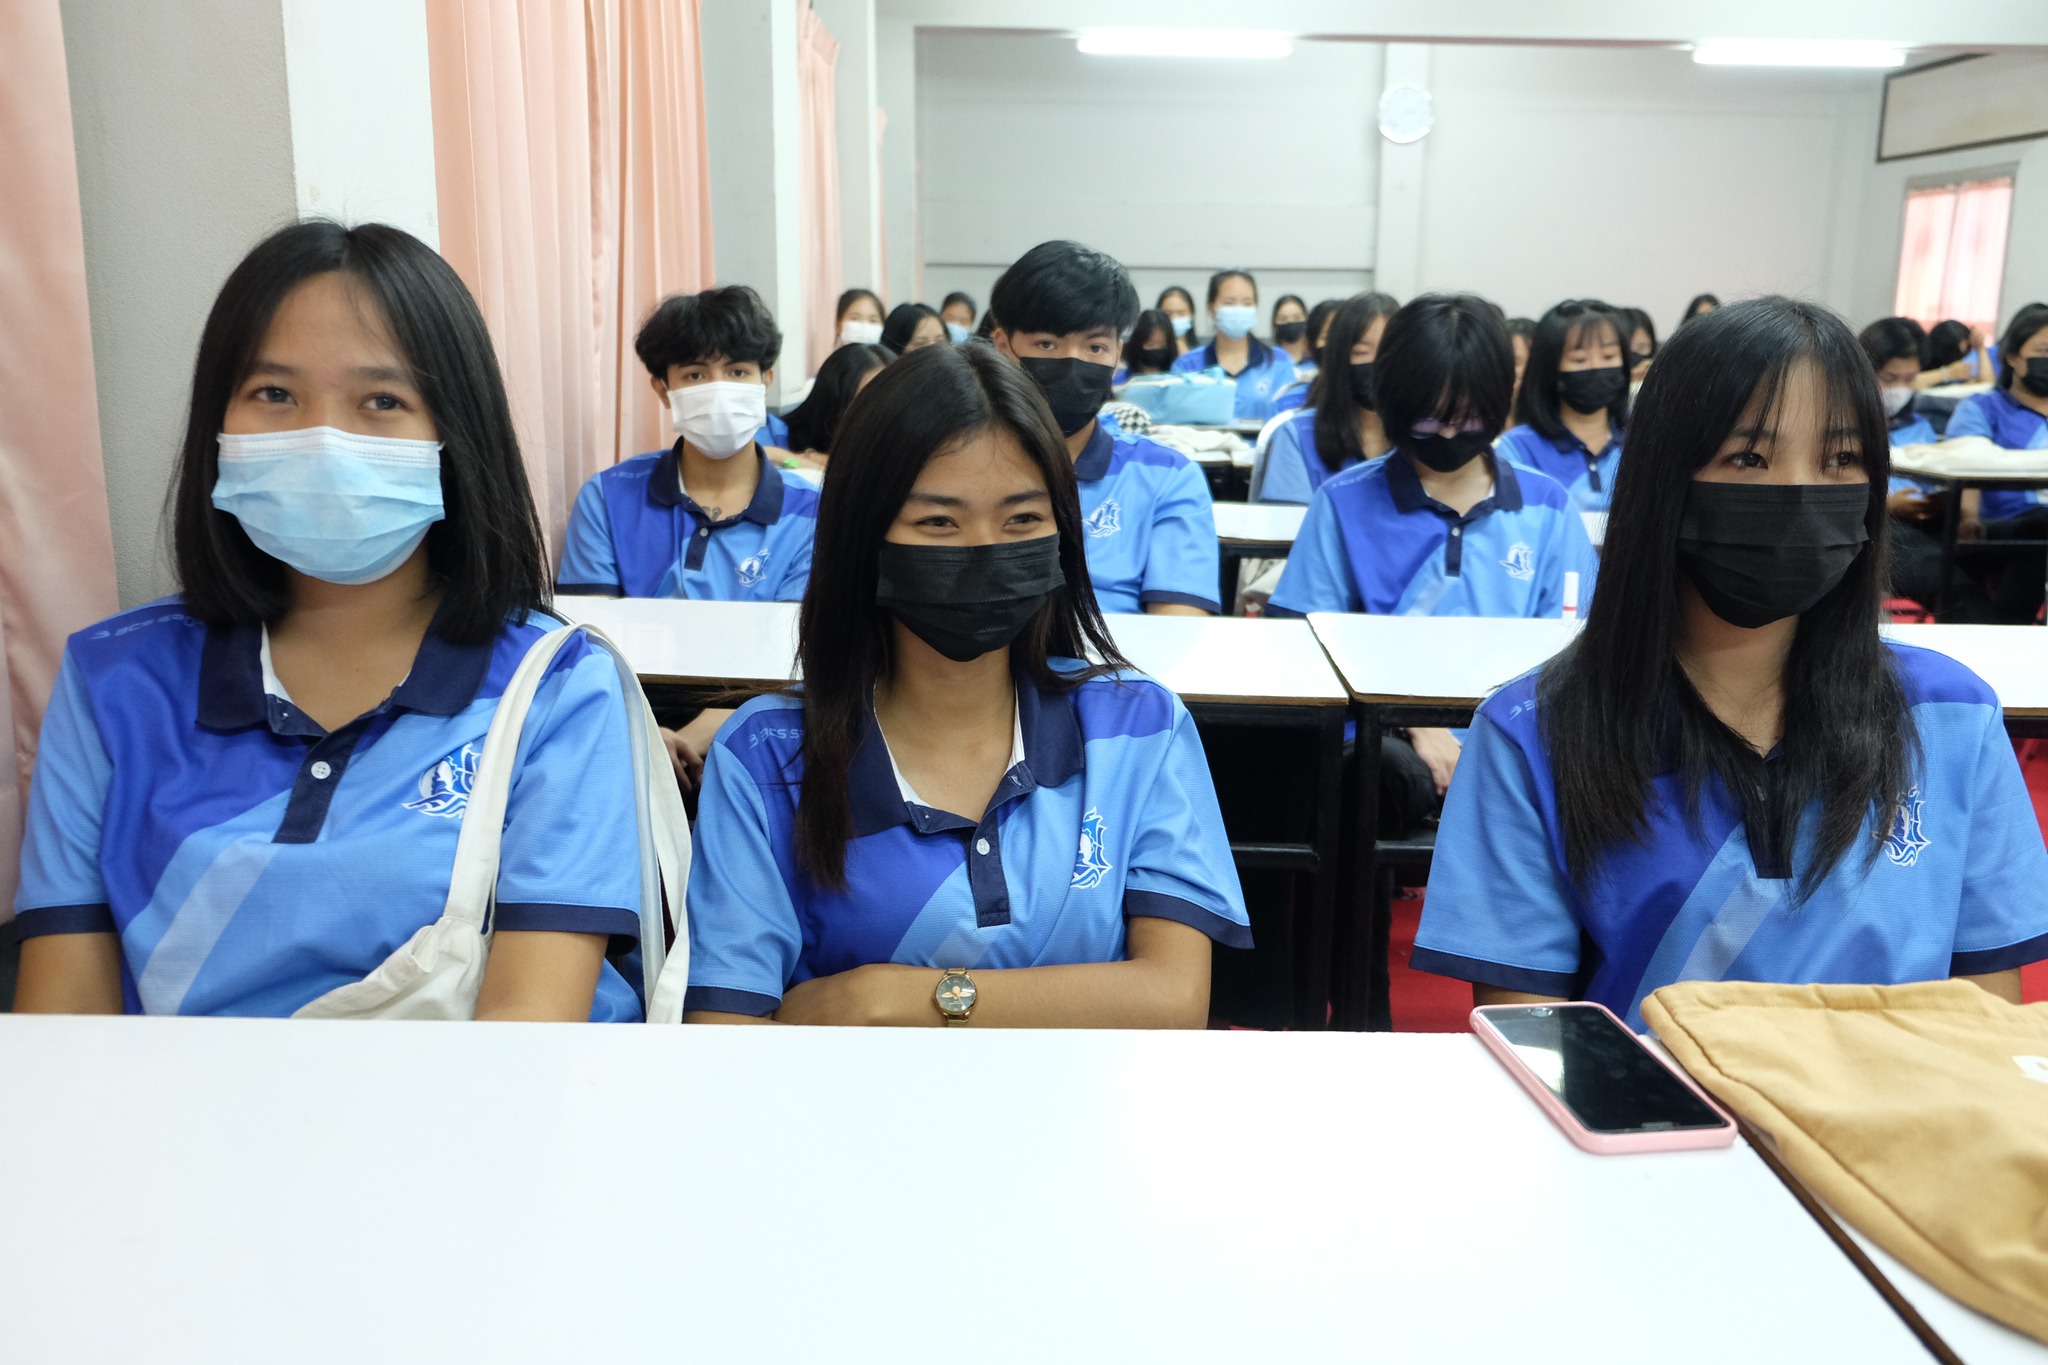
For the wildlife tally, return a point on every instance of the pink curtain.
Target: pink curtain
(574, 178)
(817, 54)
(1952, 259)
(56, 544)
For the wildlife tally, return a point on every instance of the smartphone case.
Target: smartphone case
(1602, 1144)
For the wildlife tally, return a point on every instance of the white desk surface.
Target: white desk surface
(260, 1190)
(1460, 660)
(1989, 473)
(1262, 522)
(753, 644)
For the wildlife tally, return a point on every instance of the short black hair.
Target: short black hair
(1947, 342)
(1700, 303)
(1216, 282)
(1555, 332)
(1638, 321)
(487, 552)
(1151, 322)
(901, 325)
(1062, 288)
(1525, 328)
(1443, 356)
(961, 297)
(689, 329)
(816, 420)
(1286, 299)
(2027, 321)
(1889, 339)
(852, 296)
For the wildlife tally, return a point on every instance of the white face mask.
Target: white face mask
(719, 418)
(1895, 398)
(859, 333)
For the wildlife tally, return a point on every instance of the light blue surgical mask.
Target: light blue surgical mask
(332, 504)
(958, 334)
(1236, 319)
(1182, 324)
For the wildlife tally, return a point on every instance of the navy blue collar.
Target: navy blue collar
(665, 489)
(1568, 443)
(445, 678)
(1052, 754)
(1093, 461)
(1405, 486)
(1257, 353)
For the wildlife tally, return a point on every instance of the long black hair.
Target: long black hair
(850, 298)
(1194, 317)
(1150, 323)
(1223, 277)
(922, 406)
(902, 324)
(1701, 303)
(1572, 323)
(1444, 357)
(487, 554)
(1318, 317)
(2018, 333)
(1616, 707)
(815, 419)
(1329, 393)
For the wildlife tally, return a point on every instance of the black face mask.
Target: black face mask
(1761, 552)
(1361, 385)
(1592, 390)
(2035, 379)
(1075, 389)
(1447, 454)
(1156, 357)
(966, 600)
(1289, 332)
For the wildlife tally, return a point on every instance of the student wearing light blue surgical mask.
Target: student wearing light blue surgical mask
(958, 313)
(249, 795)
(1179, 306)
(1261, 371)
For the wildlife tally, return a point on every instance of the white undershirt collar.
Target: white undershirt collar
(903, 787)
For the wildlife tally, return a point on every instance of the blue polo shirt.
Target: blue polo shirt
(251, 861)
(1266, 372)
(634, 533)
(1374, 541)
(1149, 524)
(1108, 814)
(1997, 417)
(1294, 467)
(1959, 884)
(1910, 429)
(1292, 397)
(1589, 478)
(775, 433)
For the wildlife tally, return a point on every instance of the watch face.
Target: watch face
(956, 995)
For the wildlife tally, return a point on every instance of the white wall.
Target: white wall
(1177, 168)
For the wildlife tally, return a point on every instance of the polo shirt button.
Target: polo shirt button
(981, 847)
(321, 771)
(703, 530)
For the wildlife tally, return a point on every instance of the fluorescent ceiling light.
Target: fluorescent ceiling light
(1798, 52)
(1185, 42)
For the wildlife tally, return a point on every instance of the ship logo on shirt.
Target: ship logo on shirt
(1093, 864)
(444, 788)
(1520, 562)
(1907, 838)
(753, 568)
(1106, 520)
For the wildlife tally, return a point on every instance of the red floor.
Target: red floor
(1436, 1004)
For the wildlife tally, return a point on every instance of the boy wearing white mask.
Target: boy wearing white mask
(711, 517)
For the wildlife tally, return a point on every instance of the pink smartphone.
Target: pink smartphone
(1598, 1081)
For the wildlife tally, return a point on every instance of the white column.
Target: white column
(852, 23)
(1397, 258)
(896, 95)
(751, 109)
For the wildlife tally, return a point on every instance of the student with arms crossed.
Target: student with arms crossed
(1261, 371)
(1442, 526)
(1573, 402)
(1730, 775)
(250, 794)
(1339, 428)
(1149, 527)
(2014, 415)
(954, 819)
(712, 518)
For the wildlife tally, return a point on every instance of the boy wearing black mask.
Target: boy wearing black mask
(1061, 312)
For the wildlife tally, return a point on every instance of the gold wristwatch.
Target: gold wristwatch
(955, 995)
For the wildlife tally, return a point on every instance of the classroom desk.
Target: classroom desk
(1950, 482)
(1434, 670)
(1228, 670)
(1253, 530)
(242, 1191)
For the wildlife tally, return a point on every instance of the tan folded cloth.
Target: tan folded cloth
(1919, 1112)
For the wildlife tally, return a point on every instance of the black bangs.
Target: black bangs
(1444, 356)
(1063, 288)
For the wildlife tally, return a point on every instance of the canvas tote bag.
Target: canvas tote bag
(1919, 1112)
(437, 973)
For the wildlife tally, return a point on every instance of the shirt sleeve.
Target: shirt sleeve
(744, 935)
(1968, 419)
(1286, 474)
(2003, 921)
(1318, 575)
(570, 859)
(61, 891)
(1499, 909)
(1181, 865)
(589, 564)
(1191, 363)
(796, 575)
(1182, 561)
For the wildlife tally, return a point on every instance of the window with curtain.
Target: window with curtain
(1952, 261)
